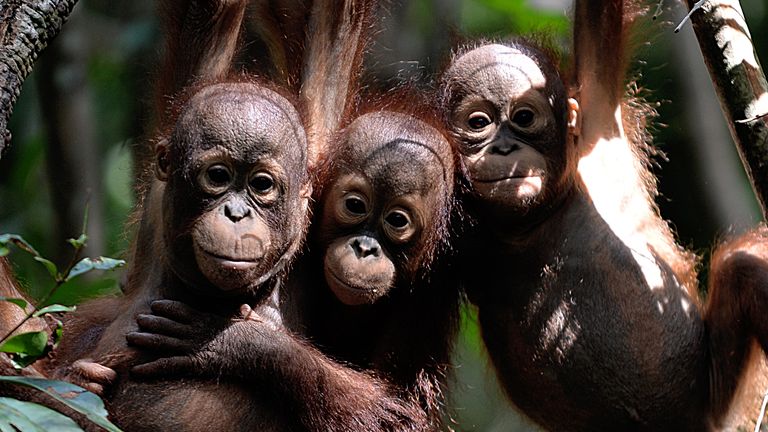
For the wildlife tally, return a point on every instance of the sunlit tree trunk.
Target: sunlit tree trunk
(730, 199)
(739, 81)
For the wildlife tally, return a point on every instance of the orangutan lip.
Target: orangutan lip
(232, 262)
(494, 180)
(345, 284)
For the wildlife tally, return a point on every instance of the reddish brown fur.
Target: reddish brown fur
(734, 314)
(626, 185)
(252, 352)
(330, 91)
(188, 58)
(282, 25)
(734, 400)
(411, 370)
(200, 43)
(10, 314)
(338, 34)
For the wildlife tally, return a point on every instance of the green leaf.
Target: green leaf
(49, 265)
(4, 251)
(27, 416)
(104, 263)
(19, 242)
(470, 328)
(75, 397)
(84, 266)
(87, 264)
(20, 361)
(28, 344)
(20, 302)
(53, 309)
(78, 242)
(58, 332)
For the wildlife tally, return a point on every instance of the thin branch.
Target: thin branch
(687, 17)
(60, 280)
(762, 413)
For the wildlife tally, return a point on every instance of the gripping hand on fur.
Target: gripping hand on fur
(181, 335)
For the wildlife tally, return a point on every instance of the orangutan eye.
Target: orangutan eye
(355, 205)
(218, 175)
(262, 183)
(400, 224)
(215, 179)
(478, 120)
(523, 117)
(397, 219)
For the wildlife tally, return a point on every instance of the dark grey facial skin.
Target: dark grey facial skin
(237, 169)
(392, 179)
(506, 114)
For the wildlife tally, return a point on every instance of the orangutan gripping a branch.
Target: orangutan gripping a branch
(589, 310)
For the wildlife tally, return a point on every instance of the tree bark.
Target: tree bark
(26, 27)
(740, 84)
(731, 202)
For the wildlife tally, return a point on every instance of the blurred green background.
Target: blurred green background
(86, 103)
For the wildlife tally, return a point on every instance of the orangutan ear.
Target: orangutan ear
(162, 165)
(574, 119)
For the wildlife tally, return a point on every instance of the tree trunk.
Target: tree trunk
(727, 47)
(731, 202)
(26, 27)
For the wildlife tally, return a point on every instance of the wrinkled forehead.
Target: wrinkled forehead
(404, 167)
(495, 67)
(399, 152)
(245, 119)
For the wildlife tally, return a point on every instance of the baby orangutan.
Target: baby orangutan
(224, 217)
(589, 327)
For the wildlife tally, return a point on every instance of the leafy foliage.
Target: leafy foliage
(26, 348)
(28, 416)
(74, 397)
(87, 264)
